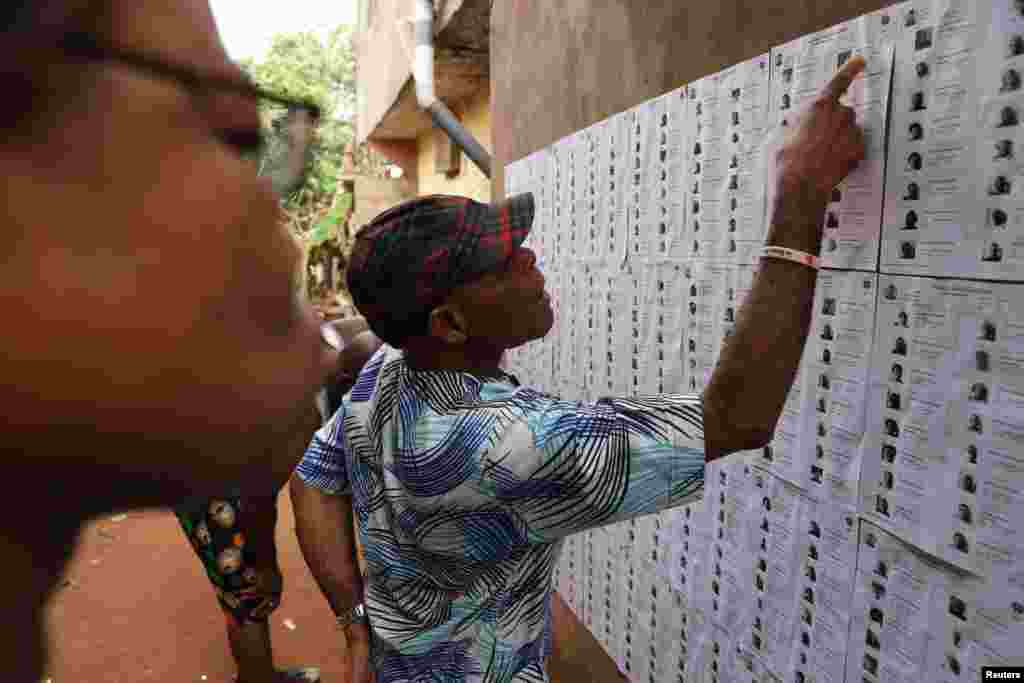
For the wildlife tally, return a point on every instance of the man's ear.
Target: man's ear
(448, 325)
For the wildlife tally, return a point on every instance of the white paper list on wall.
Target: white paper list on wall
(891, 613)
(915, 619)
(907, 407)
(944, 468)
(660, 322)
(688, 537)
(827, 560)
(624, 591)
(651, 219)
(773, 517)
(973, 623)
(953, 206)
(589, 210)
(611, 339)
(712, 293)
(613, 171)
(591, 313)
(801, 69)
(727, 126)
(820, 438)
(574, 164)
(999, 148)
(729, 584)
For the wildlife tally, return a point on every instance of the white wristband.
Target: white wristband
(787, 254)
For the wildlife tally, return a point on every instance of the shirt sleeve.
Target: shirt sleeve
(324, 465)
(566, 466)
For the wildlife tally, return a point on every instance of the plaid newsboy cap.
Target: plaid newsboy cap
(408, 259)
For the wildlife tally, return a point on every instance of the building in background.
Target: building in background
(388, 116)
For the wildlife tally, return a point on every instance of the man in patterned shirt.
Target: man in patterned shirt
(233, 533)
(463, 483)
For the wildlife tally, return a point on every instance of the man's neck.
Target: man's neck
(425, 354)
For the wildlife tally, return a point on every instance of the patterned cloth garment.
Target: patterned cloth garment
(217, 532)
(463, 489)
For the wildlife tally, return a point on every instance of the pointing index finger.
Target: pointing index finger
(840, 83)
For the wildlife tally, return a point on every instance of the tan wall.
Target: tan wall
(383, 63)
(384, 59)
(470, 182)
(558, 67)
(375, 195)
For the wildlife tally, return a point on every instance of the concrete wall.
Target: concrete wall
(470, 182)
(558, 67)
(384, 58)
(375, 195)
(384, 65)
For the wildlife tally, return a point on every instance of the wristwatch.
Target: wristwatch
(355, 615)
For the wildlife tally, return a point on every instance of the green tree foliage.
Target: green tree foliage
(324, 229)
(319, 69)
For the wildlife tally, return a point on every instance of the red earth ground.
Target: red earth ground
(137, 607)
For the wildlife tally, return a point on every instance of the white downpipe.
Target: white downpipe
(423, 55)
(423, 74)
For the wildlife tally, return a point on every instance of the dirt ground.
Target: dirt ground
(138, 607)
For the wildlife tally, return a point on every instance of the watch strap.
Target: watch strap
(353, 615)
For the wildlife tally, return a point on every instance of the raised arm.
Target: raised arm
(744, 399)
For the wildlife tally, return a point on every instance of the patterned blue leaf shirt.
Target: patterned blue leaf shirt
(463, 488)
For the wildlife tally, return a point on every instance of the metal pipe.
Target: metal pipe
(423, 75)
